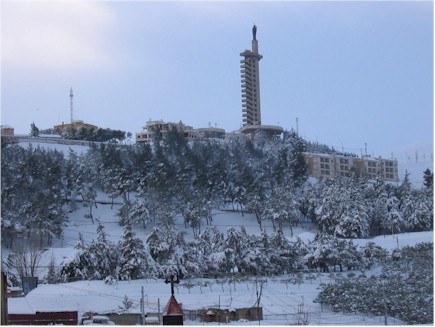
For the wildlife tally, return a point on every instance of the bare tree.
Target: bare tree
(24, 261)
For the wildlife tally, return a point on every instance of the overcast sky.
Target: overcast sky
(350, 72)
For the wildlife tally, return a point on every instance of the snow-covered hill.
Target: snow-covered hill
(282, 297)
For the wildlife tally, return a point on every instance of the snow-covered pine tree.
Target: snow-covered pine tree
(233, 249)
(281, 258)
(354, 221)
(372, 254)
(297, 163)
(72, 182)
(104, 253)
(249, 259)
(79, 265)
(255, 204)
(417, 212)
(124, 212)
(324, 252)
(428, 179)
(133, 257)
(191, 260)
(161, 245)
(328, 210)
(377, 205)
(139, 211)
(393, 221)
(53, 275)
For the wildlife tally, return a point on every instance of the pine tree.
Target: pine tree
(417, 212)
(372, 254)
(34, 131)
(428, 179)
(328, 207)
(297, 164)
(53, 276)
(233, 249)
(81, 264)
(281, 258)
(159, 246)
(133, 257)
(104, 253)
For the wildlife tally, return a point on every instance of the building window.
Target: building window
(344, 167)
(324, 172)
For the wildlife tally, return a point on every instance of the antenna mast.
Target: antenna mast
(297, 126)
(71, 105)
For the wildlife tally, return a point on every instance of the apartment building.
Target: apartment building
(331, 166)
(159, 126)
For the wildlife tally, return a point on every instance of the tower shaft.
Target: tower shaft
(250, 74)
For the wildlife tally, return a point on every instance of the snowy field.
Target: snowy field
(281, 299)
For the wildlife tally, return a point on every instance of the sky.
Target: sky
(355, 75)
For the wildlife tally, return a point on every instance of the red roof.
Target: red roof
(173, 308)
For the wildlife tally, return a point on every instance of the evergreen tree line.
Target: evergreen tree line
(170, 176)
(404, 289)
(211, 254)
(93, 134)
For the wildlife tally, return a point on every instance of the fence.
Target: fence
(224, 315)
(44, 318)
(53, 140)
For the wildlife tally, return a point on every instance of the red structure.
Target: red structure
(44, 318)
(4, 300)
(173, 313)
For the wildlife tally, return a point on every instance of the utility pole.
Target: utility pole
(158, 310)
(258, 297)
(297, 126)
(71, 109)
(219, 310)
(142, 307)
(385, 302)
(172, 281)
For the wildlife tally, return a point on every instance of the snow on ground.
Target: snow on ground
(280, 298)
(78, 149)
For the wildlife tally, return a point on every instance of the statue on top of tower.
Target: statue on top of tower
(254, 32)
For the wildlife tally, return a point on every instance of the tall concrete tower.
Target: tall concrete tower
(251, 83)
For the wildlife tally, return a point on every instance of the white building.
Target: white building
(159, 126)
(330, 166)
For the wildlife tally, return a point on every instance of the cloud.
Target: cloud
(55, 36)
